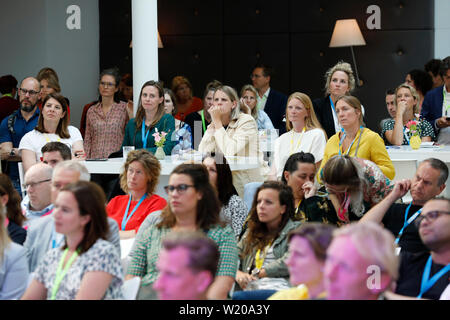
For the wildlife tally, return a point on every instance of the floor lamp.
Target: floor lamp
(346, 33)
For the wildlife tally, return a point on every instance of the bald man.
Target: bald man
(15, 126)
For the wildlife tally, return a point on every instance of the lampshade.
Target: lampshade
(346, 33)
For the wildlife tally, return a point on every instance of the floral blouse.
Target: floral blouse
(102, 256)
(235, 213)
(425, 128)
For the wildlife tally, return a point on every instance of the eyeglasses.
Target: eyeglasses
(24, 92)
(34, 184)
(107, 84)
(255, 76)
(430, 216)
(180, 188)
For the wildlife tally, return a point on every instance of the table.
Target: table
(400, 154)
(115, 166)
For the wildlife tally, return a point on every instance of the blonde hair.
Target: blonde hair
(151, 166)
(413, 93)
(249, 87)
(4, 238)
(232, 95)
(344, 67)
(311, 120)
(373, 243)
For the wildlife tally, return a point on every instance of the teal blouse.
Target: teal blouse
(133, 137)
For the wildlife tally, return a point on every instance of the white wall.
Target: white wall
(34, 35)
(442, 29)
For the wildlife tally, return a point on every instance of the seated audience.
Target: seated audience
(193, 206)
(354, 186)
(106, 120)
(48, 78)
(233, 133)
(8, 91)
(38, 202)
(185, 100)
(355, 140)
(249, 98)
(13, 265)
(339, 81)
(92, 267)
(395, 131)
(139, 179)
(432, 68)
(421, 81)
(427, 183)
(150, 119)
(426, 274)
(187, 264)
(183, 134)
(53, 125)
(263, 247)
(304, 133)
(361, 263)
(434, 107)
(233, 210)
(199, 121)
(55, 152)
(298, 173)
(10, 199)
(390, 106)
(42, 235)
(308, 246)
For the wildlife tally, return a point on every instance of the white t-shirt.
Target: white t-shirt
(313, 141)
(35, 140)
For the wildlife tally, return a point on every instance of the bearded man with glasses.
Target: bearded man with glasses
(14, 127)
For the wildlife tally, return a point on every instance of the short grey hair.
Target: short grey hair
(440, 166)
(74, 165)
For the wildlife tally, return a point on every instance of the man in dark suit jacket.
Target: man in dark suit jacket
(271, 101)
(8, 89)
(433, 105)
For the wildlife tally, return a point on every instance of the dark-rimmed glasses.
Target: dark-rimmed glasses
(430, 216)
(24, 92)
(181, 188)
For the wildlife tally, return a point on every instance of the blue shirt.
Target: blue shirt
(21, 127)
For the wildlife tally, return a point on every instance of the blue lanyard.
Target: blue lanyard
(348, 150)
(334, 110)
(127, 217)
(407, 221)
(144, 135)
(54, 243)
(427, 283)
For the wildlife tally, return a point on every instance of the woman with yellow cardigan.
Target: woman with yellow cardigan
(355, 140)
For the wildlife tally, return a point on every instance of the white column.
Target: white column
(145, 44)
(441, 29)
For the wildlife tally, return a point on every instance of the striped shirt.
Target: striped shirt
(144, 258)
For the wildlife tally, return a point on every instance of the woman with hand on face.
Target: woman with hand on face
(407, 109)
(193, 206)
(200, 120)
(86, 267)
(106, 120)
(339, 81)
(233, 211)
(233, 133)
(53, 125)
(354, 185)
(139, 180)
(263, 247)
(150, 118)
(183, 134)
(308, 246)
(355, 140)
(249, 97)
(299, 173)
(304, 133)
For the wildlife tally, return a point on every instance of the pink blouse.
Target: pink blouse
(104, 133)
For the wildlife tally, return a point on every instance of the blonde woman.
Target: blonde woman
(407, 105)
(233, 133)
(304, 133)
(249, 97)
